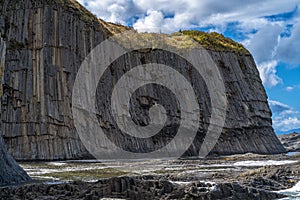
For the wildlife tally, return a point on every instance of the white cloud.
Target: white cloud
(279, 104)
(200, 13)
(263, 44)
(285, 124)
(289, 88)
(112, 10)
(151, 23)
(289, 47)
(284, 117)
(292, 88)
(267, 71)
(281, 109)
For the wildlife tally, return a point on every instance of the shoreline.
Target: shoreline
(227, 177)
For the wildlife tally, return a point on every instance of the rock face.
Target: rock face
(47, 42)
(147, 187)
(291, 141)
(10, 171)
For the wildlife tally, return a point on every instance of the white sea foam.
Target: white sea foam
(111, 199)
(56, 163)
(252, 163)
(41, 171)
(293, 193)
(181, 182)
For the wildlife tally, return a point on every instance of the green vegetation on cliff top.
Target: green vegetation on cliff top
(215, 41)
(212, 41)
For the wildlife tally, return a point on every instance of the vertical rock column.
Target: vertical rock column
(46, 44)
(10, 171)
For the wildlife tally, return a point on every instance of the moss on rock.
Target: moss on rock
(215, 41)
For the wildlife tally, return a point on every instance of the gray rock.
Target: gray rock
(10, 171)
(48, 40)
(291, 141)
(136, 188)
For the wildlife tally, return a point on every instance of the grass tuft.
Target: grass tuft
(215, 41)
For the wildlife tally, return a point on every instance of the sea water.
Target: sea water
(293, 193)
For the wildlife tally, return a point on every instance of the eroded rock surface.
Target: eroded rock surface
(147, 187)
(47, 42)
(226, 177)
(291, 141)
(10, 171)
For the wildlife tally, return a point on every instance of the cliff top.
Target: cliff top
(215, 41)
(212, 41)
(75, 6)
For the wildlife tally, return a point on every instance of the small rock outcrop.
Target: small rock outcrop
(47, 40)
(291, 141)
(10, 172)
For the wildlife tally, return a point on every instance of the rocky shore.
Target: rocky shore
(146, 187)
(246, 176)
(40, 60)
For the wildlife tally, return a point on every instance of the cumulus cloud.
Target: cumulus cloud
(284, 117)
(263, 44)
(276, 40)
(288, 49)
(117, 11)
(201, 13)
(286, 124)
(267, 71)
(265, 17)
(151, 23)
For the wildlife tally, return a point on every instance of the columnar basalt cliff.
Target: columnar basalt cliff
(46, 44)
(10, 171)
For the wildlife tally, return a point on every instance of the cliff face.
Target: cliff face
(10, 171)
(47, 42)
(248, 126)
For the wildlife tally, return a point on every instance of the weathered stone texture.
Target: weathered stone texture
(46, 45)
(248, 126)
(147, 187)
(47, 42)
(291, 141)
(10, 171)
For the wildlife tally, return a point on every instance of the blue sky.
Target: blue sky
(270, 29)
